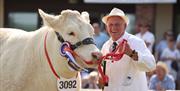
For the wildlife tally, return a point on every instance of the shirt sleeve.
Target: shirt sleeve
(146, 61)
(150, 39)
(178, 38)
(164, 54)
(177, 55)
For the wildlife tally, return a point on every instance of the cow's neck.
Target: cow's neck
(59, 63)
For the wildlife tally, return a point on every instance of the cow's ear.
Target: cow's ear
(85, 15)
(49, 20)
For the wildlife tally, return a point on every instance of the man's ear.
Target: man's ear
(85, 15)
(48, 20)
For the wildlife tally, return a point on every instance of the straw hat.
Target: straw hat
(116, 12)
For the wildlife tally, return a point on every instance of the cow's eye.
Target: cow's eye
(71, 33)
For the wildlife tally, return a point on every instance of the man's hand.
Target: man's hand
(128, 51)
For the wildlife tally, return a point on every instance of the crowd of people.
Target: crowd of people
(165, 76)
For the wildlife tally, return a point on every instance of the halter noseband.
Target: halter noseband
(76, 45)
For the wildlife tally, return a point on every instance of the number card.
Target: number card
(68, 84)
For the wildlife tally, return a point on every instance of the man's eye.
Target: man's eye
(71, 33)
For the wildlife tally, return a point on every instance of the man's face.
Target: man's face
(115, 27)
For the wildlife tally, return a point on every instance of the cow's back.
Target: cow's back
(22, 65)
(11, 38)
(9, 34)
(13, 55)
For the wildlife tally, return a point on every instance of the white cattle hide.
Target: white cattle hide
(23, 65)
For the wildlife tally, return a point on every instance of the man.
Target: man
(127, 74)
(163, 44)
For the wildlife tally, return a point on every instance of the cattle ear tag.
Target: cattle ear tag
(68, 84)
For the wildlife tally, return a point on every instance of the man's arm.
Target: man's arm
(142, 57)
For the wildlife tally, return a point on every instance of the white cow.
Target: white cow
(23, 64)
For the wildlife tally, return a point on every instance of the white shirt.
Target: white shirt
(178, 38)
(119, 72)
(167, 53)
(147, 37)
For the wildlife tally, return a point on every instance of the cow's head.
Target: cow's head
(75, 27)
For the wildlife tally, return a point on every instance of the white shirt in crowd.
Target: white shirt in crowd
(167, 53)
(147, 37)
(127, 74)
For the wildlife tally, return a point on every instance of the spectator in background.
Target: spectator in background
(92, 81)
(162, 44)
(178, 73)
(84, 79)
(170, 56)
(146, 35)
(178, 42)
(100, 37)
(161, 81)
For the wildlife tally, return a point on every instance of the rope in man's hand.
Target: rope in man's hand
(116, 55)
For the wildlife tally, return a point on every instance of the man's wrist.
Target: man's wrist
(130, 53)
(134, 55)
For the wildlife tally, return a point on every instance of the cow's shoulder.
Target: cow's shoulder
(7, 33)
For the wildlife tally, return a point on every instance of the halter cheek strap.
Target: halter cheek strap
(86, 41)
(59, 37)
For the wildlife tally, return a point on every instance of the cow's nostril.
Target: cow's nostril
(96, 55)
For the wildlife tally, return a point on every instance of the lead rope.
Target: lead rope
(48, 58)
(114, 56)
